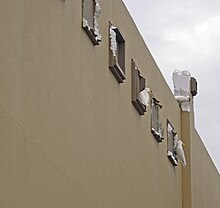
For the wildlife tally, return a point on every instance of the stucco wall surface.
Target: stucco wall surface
(69, 134)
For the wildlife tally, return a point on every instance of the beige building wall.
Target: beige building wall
(205, 177)
(69, 134)
(201, 181)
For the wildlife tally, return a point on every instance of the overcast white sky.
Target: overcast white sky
(186, 35)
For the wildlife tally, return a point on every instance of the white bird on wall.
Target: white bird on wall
(144, 95)
(180, 152)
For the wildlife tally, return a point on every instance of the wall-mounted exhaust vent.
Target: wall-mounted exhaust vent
(182, 85)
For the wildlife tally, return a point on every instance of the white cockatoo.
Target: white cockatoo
(178, 147)
(144, 95)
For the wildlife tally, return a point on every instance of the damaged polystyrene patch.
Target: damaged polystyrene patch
(171, 155)
(160, 132)
(155, 132)
(93, 29)
(160, 128)
(113, 41)
(96, 16)
(86, 24)
(181, 82)
(169, 128)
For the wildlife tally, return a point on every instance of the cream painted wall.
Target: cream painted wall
(205, 177)
(70, 136)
